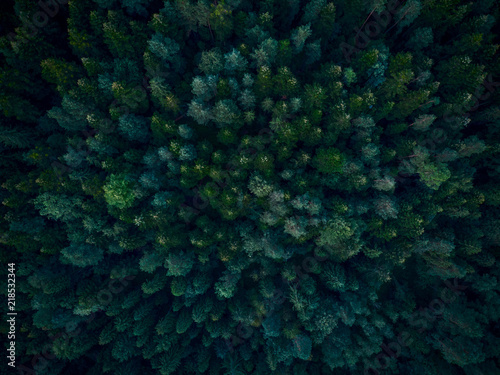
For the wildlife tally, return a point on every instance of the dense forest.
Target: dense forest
(236, 187)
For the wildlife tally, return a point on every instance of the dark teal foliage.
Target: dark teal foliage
(251, 187)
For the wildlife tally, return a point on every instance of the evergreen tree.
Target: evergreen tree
(286, 187)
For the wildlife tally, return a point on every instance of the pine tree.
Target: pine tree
(235, 186)
(234, 61)
(211, 62)
(119, 191)
(299, 37)
(302, 347)
(328, 160)
(82, 255)
(422, 38)
(134, 128)
(386, 207)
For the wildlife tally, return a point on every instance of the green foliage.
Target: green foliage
(226, 286)
(328, 160)
(336, 231)
(59, 72)
(211, 62)
(221, 20)
(119, 191)
(234, 61)
(232, 187)
(179, 264)
(82, 255)
(134, 128)
(59, 206)
(259, 186)
(302, 346)
(299, 37)
(386, 207)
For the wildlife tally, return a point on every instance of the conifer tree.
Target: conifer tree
(273, 187)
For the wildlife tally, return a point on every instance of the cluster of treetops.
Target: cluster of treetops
(289, 187)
